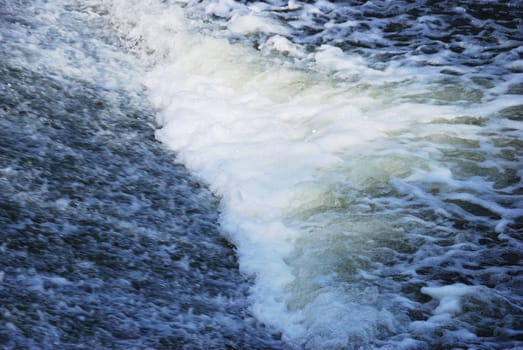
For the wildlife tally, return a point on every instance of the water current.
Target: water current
(261, 174)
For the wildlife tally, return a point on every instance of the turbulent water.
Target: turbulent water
(261, 175)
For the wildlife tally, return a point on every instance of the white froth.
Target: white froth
(279, 145)
(283, 45)
(251, 23)
(449, 297)
(334, 58)
(220, 8)
(261, 157)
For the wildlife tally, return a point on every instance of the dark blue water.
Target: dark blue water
(105, 242)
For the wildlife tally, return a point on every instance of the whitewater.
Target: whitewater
(362, 159)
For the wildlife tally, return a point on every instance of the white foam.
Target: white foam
(260, 157)
(282, 45)
(251, 23)
(220, 8)
(449, 297)
(334, 58)
(280, 145)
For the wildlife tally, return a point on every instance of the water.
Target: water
(106, 242)
(366, 158)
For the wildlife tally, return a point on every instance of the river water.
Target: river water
(261, 174)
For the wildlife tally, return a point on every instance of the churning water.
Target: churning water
(343, 175)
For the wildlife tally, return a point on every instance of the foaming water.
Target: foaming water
(367, 157)
(376, 202)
